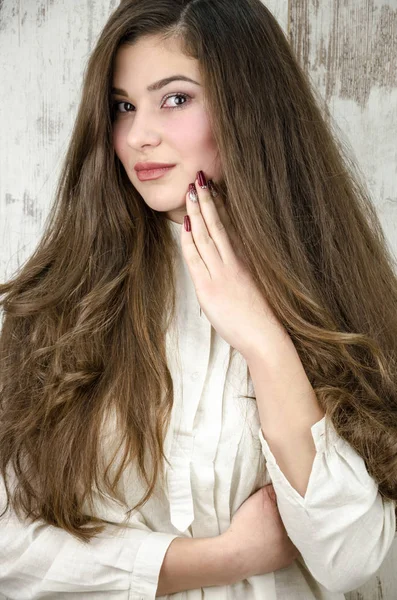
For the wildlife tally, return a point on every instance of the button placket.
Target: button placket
(208, 430)
(191, 327)
(179, 486)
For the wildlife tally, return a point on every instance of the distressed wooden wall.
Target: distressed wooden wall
(349, 49)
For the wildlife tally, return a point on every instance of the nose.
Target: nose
(143, 130)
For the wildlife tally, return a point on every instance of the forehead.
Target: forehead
(151, 58)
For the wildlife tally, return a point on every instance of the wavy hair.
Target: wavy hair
(85, 317)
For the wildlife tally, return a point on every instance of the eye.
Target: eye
(117, 105)
(184, 96)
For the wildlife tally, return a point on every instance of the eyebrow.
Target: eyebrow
(158, 85)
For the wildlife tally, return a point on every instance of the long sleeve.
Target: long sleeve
(37, 559)
(343, 528)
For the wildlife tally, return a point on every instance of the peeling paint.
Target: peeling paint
(47, 127)
(3, 16)
(10, 199)
(40, 15)
(29, 206)
(354, 43)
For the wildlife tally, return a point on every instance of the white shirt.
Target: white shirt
(342, 527)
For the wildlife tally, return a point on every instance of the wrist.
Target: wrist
(234, 568)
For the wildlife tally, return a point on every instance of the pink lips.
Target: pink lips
(149, 174)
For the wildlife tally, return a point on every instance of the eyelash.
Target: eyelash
(185, 96)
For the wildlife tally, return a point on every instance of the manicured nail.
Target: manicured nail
(202, 180)
(212, 189)
(187, 223)
(193, 193)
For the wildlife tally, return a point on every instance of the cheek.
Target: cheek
(191, 132)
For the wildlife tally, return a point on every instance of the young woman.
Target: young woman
(205, 410)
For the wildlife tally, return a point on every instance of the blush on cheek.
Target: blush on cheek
(191, 133)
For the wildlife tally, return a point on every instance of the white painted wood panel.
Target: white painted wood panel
(349, 48)
(44, 47)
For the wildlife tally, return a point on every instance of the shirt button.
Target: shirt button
(194, 375)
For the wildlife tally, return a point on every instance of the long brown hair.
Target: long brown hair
(85, 318)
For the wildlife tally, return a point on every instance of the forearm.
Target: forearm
(195, 563)
(287, 407)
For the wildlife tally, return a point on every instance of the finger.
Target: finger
(213, 223)
(201, 234)
(219, 202)
(197, 267)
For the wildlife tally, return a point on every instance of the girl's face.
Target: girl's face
(166, 125)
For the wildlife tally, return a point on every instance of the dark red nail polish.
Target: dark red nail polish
(193, 192)
(188, 226)
(212, 188)
(201, 179)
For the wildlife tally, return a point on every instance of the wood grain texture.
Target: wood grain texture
(44, 47)
(349, 49)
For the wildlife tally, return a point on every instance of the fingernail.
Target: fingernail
(187, 223)
(212, 189)
(193, 192)
(202, 180)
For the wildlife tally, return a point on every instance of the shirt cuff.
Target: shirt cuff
(324, 436)
(147, 566)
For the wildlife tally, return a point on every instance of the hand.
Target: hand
(225, 289)
(257, 537)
